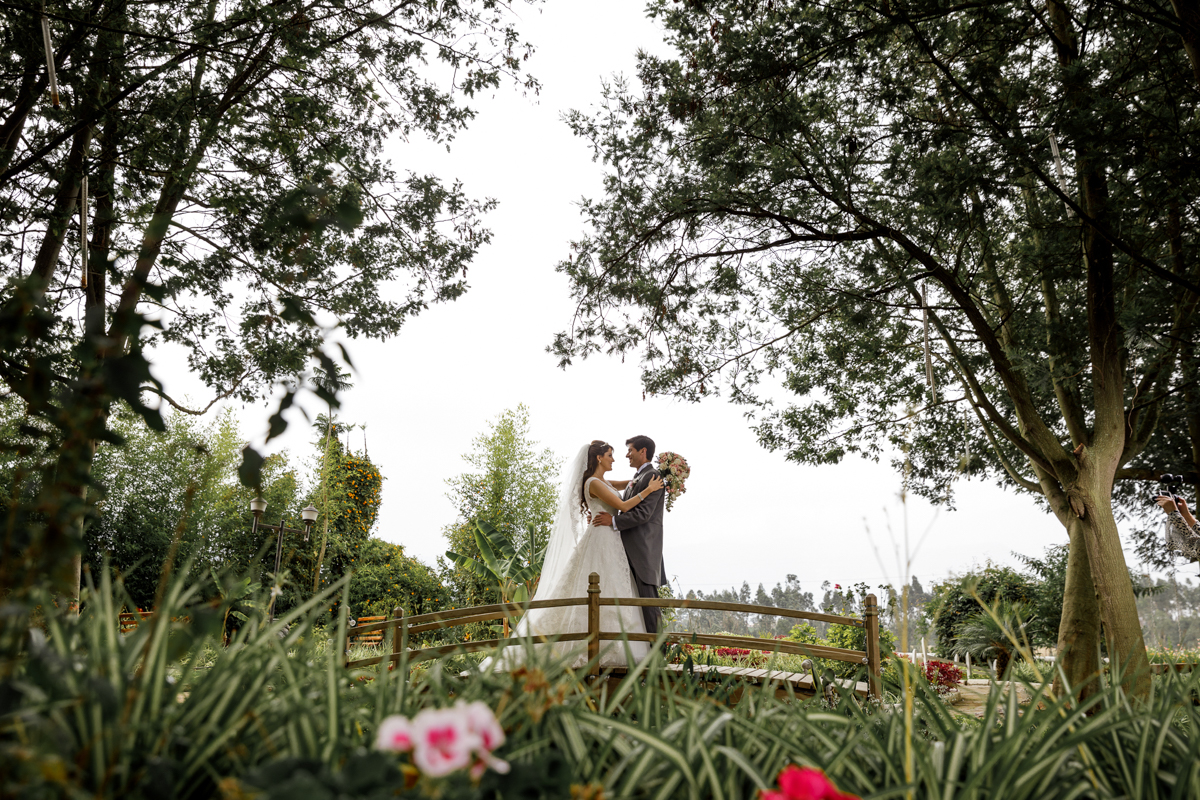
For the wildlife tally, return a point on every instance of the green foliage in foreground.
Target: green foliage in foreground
(85, 711)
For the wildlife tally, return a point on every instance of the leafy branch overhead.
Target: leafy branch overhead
(234, 156)
(225, 163)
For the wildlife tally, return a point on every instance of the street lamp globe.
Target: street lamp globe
(309, 514)
(258, 506)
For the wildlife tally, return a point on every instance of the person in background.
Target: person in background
(1183, 533)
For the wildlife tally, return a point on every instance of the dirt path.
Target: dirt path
(975, 693)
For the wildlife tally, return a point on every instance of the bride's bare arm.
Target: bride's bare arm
(602, 491)
(618, 484)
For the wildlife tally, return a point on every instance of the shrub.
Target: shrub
(985, 636)
(943, 674)
(848, 637)
(954, 602)
(384, 577)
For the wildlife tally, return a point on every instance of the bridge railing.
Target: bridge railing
(404, 626)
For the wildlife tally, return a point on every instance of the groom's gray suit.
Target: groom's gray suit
(641, 529)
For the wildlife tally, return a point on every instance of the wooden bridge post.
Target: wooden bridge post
(593, 622)
(874, 664)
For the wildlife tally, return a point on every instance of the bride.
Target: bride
(575, 550)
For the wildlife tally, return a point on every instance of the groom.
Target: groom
(641, 528)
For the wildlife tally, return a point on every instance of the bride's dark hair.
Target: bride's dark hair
(595, 450)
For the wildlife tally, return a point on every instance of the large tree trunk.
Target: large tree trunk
(110, 58)
(1114, 590)
(1079, 630)
(1089, 490)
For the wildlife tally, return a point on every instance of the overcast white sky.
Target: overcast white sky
(748, 514)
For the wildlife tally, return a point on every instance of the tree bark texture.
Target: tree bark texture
(1188, 12)
(1079, 630)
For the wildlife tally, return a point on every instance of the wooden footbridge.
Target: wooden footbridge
(402, 627)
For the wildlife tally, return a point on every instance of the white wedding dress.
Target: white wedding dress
(577, 549)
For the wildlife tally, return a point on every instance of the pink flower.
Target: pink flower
(395, 734)
(489, 761)
(443, 741)
(483, 723)
(448, 739)
(805, 783)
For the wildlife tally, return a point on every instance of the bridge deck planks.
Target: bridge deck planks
(798, 680)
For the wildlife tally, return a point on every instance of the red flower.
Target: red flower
(732, 652)
(805, 783)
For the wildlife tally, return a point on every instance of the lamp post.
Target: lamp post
(308, 514)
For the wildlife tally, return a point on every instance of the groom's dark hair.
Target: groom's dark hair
(643, 443)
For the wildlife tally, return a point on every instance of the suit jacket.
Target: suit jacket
(641, 529)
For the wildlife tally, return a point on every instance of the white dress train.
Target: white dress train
(598, 549)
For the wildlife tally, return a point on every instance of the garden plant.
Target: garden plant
(167, 711)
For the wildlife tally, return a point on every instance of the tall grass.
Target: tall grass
(165, 711)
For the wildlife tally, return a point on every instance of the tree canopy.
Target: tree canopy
(960, 234)
(512, 486)
(225, 164)
(234, 157)
(182, 480)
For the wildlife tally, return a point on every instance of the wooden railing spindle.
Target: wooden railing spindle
(874, 664)
(343, 635)
(400, 639)
(593, 622)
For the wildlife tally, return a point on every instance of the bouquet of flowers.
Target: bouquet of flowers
(674, 471)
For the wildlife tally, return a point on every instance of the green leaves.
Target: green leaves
(513, 488)
(385, 577)
(250, 470)
(251, 182)
(171, 711)
(500, 564)
(784, 185)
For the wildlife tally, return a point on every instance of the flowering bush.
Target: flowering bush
(942, 674)
(805, 783)
(733, 652)
(385, 577)
(674, 470)
(1171, 654)
(444, 740)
